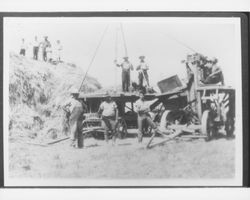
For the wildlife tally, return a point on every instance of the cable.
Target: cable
(92, 60)
(116, 54)
(116, 43)
(182, 43)
(124, 41)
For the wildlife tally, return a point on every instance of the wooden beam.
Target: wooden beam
(165, 140)
(193, 136)
(150, 140)
(37, 144)
(59, 140)
(91, 130)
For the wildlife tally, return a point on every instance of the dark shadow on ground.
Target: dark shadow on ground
(125, 144)
(221, 135)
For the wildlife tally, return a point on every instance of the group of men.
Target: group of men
(110, 116)
(212, 72)
(49, 53)
(142, 69)
(108, 111)
(209, 70)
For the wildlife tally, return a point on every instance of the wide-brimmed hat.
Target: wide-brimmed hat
(125, 57)
(141, 57)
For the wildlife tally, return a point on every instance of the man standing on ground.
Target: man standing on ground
(76, 116)
(142, 108)
(109, 112)
(126, 67)
(143, 71)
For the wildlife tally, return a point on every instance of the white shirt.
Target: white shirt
(58, 47)
(73, 103)
(126, 66)
(142, 66)
(141, 106)
(35, 43)
(108, 109)
(23, 45)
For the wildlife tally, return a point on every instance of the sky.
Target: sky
(165, 42)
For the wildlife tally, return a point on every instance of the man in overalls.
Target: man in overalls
(142, 69)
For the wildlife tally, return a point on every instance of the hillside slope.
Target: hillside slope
(37, 92)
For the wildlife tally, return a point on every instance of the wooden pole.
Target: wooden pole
(165, 140)
(150, 140)
(59, 140)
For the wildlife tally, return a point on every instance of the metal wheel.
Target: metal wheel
(121, 129)
(207, 125)
(164, 122)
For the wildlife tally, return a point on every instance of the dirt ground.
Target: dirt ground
(176, 159)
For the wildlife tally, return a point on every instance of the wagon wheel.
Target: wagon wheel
(121, 129)
(164, 122)
(229, 126)
(207, 125)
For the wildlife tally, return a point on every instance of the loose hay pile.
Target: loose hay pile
(37, 92)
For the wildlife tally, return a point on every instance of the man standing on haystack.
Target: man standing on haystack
(58, 51)
(23, 47)
(45, 45)
(126, 67)
(36, 45)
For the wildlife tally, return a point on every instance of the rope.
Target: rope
(145, 78)
(124, 41)
(92, 60)
(125, 46)
(182, 43)
(116, 54)
(116, 43)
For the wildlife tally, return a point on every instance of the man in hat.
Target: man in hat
(142, 108)
(36, 45)
(142, 68)
(126, 67)
(108, 111)
(215, 76)
(76, 109)
(45, 45)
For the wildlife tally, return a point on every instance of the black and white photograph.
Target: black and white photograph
(122, 101)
